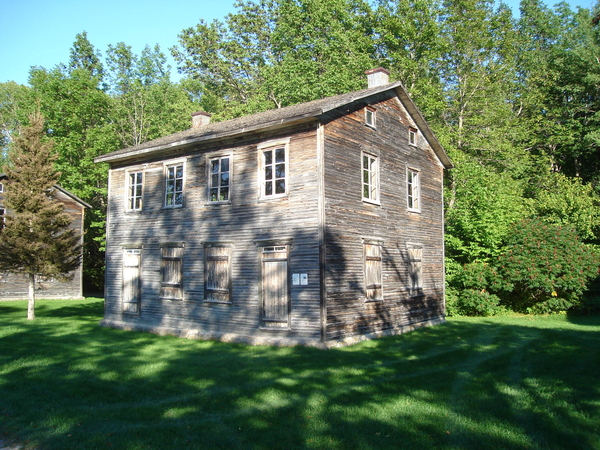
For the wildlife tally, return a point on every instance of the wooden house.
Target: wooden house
(317, 224)
(14, 286)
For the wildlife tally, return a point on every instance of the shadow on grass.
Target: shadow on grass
(485, 383)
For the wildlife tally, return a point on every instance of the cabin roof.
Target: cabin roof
(272, 119)
(3, 176)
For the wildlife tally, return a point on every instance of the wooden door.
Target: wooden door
(131, 294)
(275, 287)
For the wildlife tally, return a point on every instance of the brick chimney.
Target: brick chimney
(200, 119)
(378, 77)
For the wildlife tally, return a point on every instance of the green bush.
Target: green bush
(469, 293)
(545, 268)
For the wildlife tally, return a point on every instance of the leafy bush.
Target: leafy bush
(545, 268)
(469, 292)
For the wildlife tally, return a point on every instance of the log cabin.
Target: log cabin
(315, 224)
(15, 286)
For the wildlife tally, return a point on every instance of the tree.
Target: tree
(36, 240)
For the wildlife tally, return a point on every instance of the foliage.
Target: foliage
(546, 268)
(470, 287)
(37, 239)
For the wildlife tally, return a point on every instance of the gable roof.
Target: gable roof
(276, 118)
(61, 189)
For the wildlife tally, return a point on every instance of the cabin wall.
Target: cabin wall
(239, 224)
(15, 286)
(351, 223)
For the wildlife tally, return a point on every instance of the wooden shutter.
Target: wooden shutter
(131, 295)
(275, 289)
(172, 273)
(217, 274)
(373, 272)
(416, 268)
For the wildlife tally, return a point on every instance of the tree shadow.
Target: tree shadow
(464, 384)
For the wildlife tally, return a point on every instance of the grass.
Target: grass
(492, 383)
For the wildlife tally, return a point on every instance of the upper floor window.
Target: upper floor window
(174, 185)
(370, 178)
(370, 117)
(412, 136)
(1, 187)
(219, 179)
(274, 168)
(413, 190)
(134, 193)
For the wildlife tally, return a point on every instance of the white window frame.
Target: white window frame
(167, 166)
(210, 174)
(1, 187)
(370, 117)
(413, 134)
(131, 198)
(413, 189)
(415, 269)
(273, 146)
(369, 178)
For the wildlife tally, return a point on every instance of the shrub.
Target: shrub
(545, 268)
(469, 293)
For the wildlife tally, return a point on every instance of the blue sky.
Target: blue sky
(41, 32)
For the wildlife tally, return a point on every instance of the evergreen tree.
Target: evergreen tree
(36, 240)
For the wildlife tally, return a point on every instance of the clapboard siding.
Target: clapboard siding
(322, 225)
(246, 219)
(16, 286)
(349, 221)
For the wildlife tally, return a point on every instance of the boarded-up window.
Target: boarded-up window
(217, 273)
(134, 194)
(172, 271)
(415, 254)
(373, 272)
(131, 294)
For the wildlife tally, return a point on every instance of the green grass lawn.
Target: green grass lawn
(485, 383)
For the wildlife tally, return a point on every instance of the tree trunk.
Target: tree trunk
(31, 304)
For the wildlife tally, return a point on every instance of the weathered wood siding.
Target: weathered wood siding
(199, 225)
(16, 286)
(352, 223)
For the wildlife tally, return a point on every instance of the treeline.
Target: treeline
(515, 102)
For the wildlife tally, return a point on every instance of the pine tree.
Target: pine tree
(36, 240)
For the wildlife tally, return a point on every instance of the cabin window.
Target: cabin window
(415, 256)
(274, 171)
(370, 178)
(219, 180)
(134, 193)
(1, 187)
(171, 286)
(413, 190)
(373, 272)
(412, 136)
(370, 117)
(217, 273)
(174, 185)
